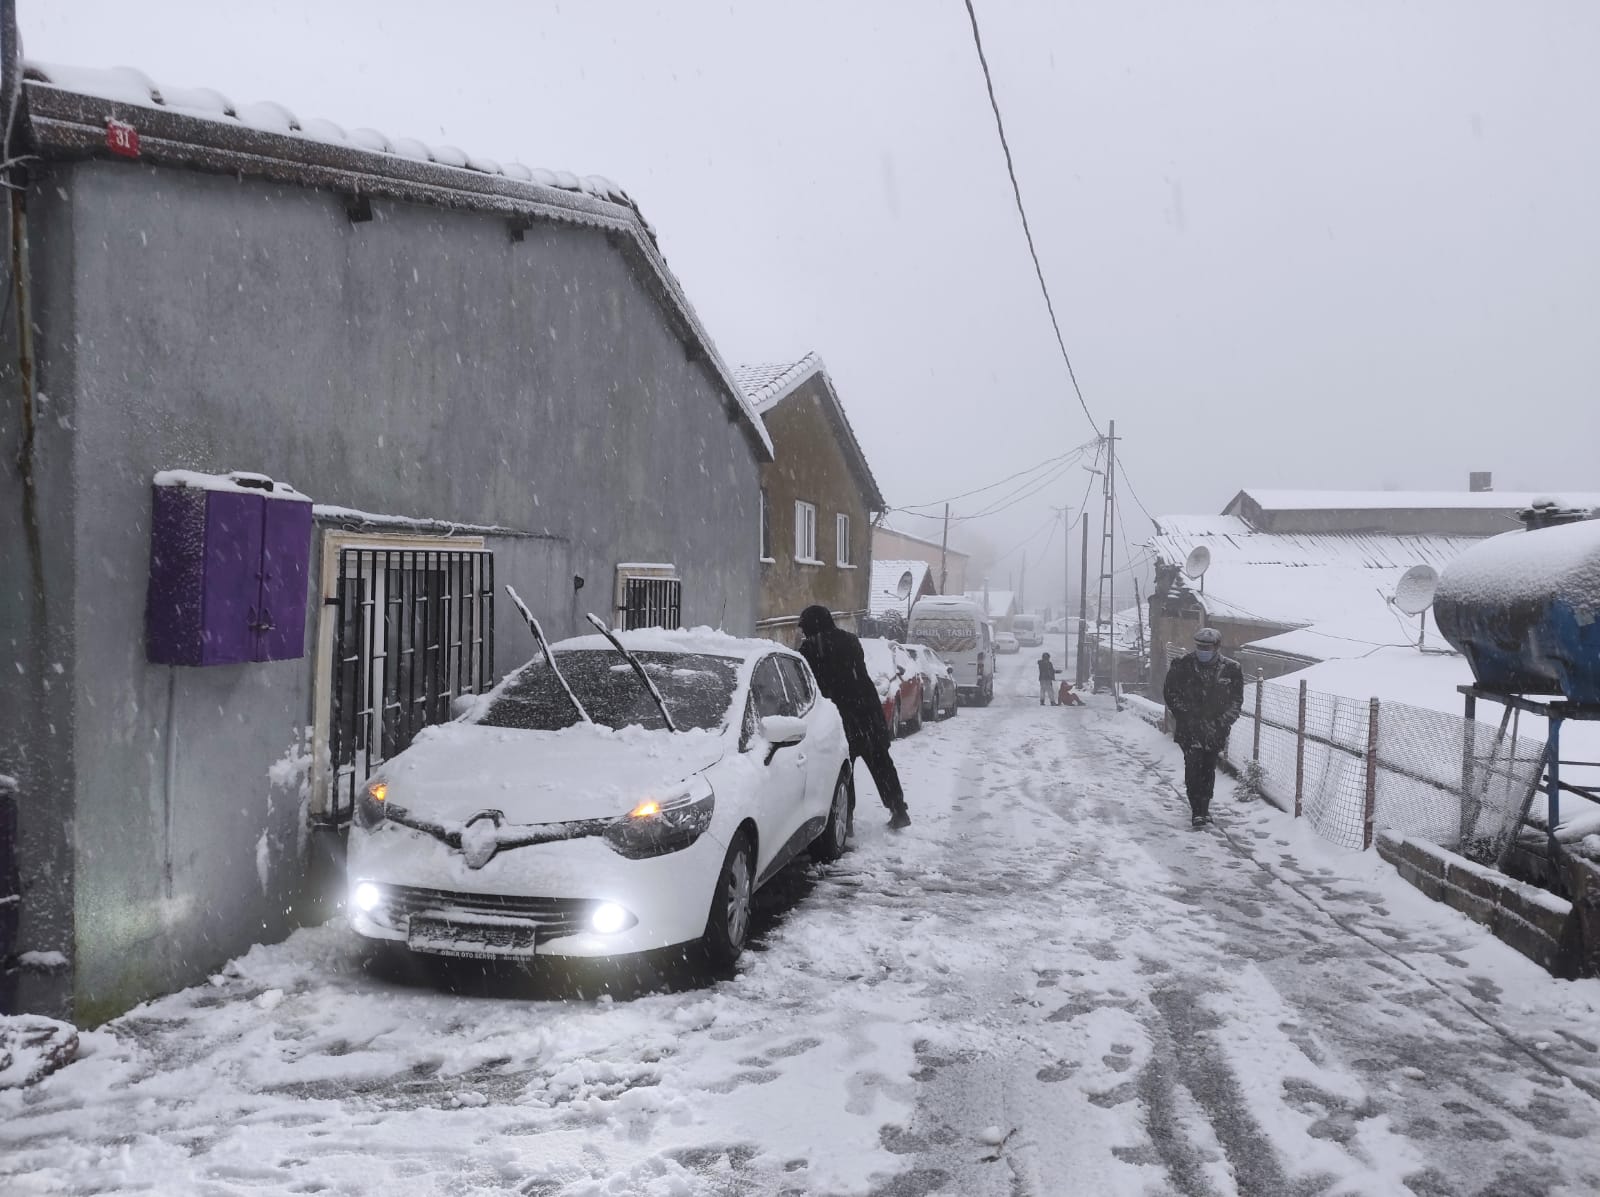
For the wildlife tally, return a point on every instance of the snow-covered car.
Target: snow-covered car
(1005, 642)
(938, 682)
(899, 684)
(564, 816)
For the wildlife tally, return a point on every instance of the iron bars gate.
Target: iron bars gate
(415, 629)
(651, 602)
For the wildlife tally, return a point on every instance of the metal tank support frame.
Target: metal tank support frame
(1556, 711)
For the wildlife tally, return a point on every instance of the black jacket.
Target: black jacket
(836, 658)
(1047, 669)
(1204, 700)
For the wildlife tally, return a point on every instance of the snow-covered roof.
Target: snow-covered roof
(1334, 584)
(884, 594)
(199, 128)
(766, 386)
(1407, 500)
(889, 528)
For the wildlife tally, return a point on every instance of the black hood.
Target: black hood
(815, 619)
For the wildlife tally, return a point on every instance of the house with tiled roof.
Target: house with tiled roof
(472, 372)
(818, 498)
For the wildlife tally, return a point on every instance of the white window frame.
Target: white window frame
(841, 541)
(805, 533)
(334, 543)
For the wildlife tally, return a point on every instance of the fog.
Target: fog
(1345, 246)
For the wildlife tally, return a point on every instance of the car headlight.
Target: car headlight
(370, 803)
(670, 823)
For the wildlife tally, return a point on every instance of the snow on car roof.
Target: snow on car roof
(706, 641)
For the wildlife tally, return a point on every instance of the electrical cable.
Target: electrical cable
(1027, 231)
(1075, 452)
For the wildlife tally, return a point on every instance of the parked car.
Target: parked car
(899, 684)
(1028, 629)
(959, 631)
(1005, 642)
(938, 682)
(563, 816)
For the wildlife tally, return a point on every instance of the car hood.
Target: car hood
(453, 771)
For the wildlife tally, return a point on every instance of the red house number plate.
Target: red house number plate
(122, 138)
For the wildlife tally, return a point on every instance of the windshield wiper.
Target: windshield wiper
(544, 645)
(637, 668)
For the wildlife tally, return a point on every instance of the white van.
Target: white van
(1028, 629)
(957, 629)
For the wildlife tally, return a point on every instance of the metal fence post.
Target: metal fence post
(1370, 811)
(1255, 749)
(1300, 752)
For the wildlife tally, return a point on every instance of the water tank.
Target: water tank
(1524, 608)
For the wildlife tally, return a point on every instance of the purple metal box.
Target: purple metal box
(229, 563)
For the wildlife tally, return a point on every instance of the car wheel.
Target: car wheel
(916, 724)
(830, 845)
(955, 705)
(729, 921)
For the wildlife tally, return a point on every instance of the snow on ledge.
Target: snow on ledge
(238, 482)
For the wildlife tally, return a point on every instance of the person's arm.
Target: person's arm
(1169, 690)
(1235, 695)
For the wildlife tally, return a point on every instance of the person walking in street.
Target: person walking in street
(836, 658)
(1204, 691)
(1047, 681)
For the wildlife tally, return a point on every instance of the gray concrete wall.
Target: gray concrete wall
(38, 653)
(420, 364)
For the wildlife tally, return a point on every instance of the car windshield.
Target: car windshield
(697, 689)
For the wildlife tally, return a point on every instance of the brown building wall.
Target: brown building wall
(1177, 628)
(889, 545)
(811, 465)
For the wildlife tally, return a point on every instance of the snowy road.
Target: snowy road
(1049, 953)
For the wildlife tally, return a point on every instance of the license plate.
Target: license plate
(476, 941)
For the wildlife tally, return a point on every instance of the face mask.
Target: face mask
(1206, 655)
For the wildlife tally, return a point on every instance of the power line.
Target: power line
(1128, 482)
(1033, 536)
(1016, 189)
(1077, 451)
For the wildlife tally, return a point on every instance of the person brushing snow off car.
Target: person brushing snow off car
(836, 658)
(1204, 691)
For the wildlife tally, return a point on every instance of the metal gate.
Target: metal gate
(415, 629)
(652, 602)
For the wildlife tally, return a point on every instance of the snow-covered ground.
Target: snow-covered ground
(1049, 985)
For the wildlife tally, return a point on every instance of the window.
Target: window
(805, 533)
(841, 534)
(649, 597)
(766, 526)
(797, 679)
(412, 629)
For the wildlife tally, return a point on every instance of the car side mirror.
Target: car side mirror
(781, 731)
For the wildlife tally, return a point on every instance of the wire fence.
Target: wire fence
(1354, 766)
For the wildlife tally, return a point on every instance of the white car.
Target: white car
(561, 816)
(1005, 642)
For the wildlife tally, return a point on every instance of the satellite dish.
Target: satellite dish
(1413, 594)
(906, 582)
(1198, 561)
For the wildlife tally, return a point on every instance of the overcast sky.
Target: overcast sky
(1341, 245)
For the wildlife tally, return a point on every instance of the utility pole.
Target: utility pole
(1022, 584)
(1105, 614)
(1083, 598)
(1066, 579)
(944, 548)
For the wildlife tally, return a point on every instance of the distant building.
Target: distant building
(1001, 605)
(1300, 577)
(818, 497)
(887, 607)
(892, 543)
